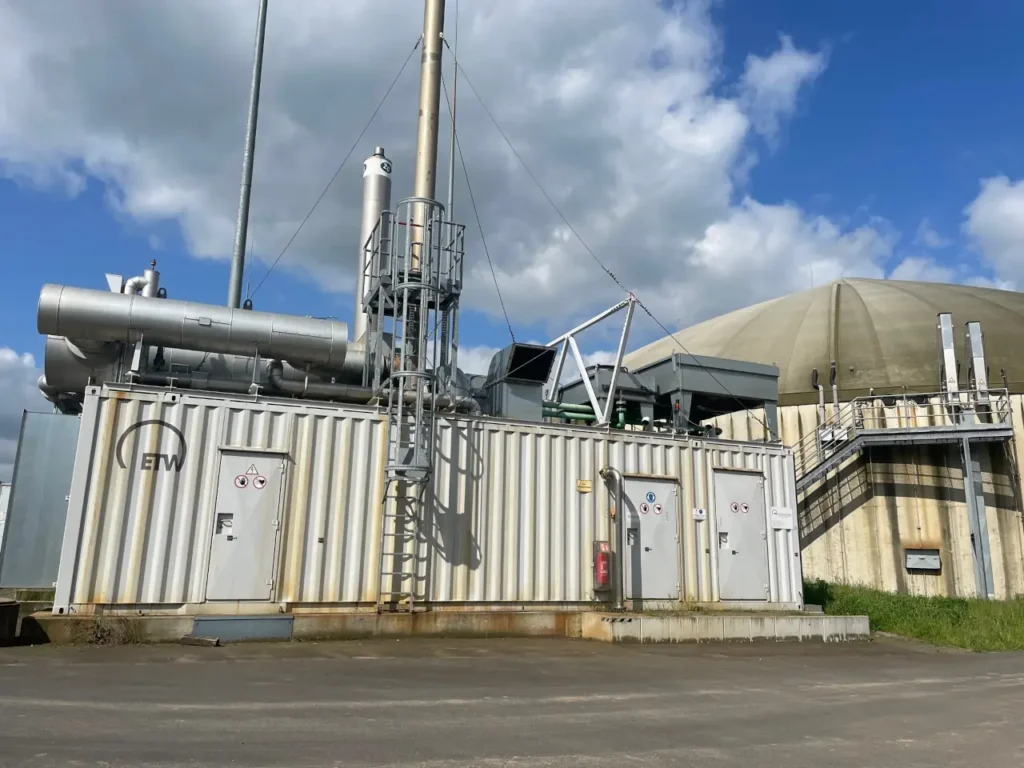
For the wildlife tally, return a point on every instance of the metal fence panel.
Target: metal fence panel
(30, 554)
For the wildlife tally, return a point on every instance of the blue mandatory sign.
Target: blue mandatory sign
(651, 497)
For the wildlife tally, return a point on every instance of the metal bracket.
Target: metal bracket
(567, 342)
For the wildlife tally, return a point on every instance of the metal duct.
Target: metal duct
(351, 393)
(218, 367)
(102, 316)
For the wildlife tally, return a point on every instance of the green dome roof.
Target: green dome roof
(881, 333)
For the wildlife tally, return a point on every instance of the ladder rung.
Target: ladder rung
(403, 574)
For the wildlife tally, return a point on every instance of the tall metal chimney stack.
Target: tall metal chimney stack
(424, 181)
(242, 225)
(376, 199)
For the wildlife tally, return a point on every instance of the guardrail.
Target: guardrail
(901, 414)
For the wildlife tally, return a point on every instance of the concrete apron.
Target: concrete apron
(605, 627)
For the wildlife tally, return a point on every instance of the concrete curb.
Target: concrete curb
(618, 628)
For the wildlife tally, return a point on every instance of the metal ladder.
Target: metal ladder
(399, 550)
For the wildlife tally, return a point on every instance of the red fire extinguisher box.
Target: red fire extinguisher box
(602, 566)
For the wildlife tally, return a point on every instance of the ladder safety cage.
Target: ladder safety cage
(413, 278)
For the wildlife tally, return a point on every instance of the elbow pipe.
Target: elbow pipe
(49, 392)
(148, 283)
(616, 478)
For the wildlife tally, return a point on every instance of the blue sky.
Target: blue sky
(912, 110)
(917, 104)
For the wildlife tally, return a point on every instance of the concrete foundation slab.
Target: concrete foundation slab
(606, 627)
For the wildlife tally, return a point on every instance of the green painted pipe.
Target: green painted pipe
(570, 407)
(549, 414)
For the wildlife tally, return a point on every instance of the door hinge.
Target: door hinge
(277, 524)
(270, 582)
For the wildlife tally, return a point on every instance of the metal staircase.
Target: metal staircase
(909, 419)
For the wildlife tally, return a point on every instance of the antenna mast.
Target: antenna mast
(242, 225)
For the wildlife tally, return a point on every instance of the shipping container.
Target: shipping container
(510, 519)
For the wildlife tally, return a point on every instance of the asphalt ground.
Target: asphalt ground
(446, 703)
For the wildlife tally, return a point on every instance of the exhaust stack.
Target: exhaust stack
(376, 200)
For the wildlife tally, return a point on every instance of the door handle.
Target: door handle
(230, 537)
(647, 549)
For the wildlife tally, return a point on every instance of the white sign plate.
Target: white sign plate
(782, 518)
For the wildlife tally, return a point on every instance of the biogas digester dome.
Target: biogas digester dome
(881, 333)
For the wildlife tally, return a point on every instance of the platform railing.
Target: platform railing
(902, 414)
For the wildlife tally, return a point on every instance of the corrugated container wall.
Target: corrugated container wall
(856, 523)
(507, 522)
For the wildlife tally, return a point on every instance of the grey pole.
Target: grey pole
(424, 180)
(450, 210)
(241, 229)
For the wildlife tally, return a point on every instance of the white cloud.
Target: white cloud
(476, 359)
(927, 237)
(644, 161)
(18, 375)
(995, 223)
(771, 84)
(760, 251)
(917, 268)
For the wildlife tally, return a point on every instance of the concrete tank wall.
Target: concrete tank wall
(510, 520)
(856, 523)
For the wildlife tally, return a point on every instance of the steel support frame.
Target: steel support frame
(978, 522)
(567, 343)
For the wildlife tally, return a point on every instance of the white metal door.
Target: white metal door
(246, 524)
(742, 536)
(651, 549)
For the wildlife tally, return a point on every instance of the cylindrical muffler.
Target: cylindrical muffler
(81, 313)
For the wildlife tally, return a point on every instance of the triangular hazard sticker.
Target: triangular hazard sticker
(251, 470)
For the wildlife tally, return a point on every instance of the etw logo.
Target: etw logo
(162, 460)
(152, 462)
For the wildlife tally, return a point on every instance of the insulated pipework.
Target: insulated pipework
(100, 316)
(376, 200)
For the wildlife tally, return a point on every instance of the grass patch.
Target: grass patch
(978, 625)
